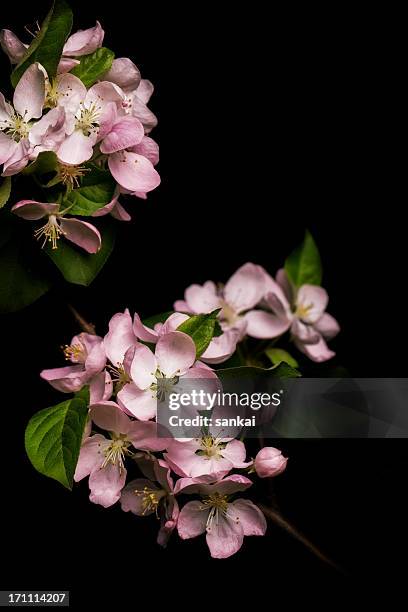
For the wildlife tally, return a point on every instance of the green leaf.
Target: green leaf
(159, 318)
(282, 370)
(75, 264)
(277, 356)
(46, 47)
(19, 284)
(5, 190)
(97, 189)
(46, 162)
(93, 66)
(304, 266)
(201, 329)
(53, 439)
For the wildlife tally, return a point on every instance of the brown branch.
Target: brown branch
(89, 328)
(279, 520)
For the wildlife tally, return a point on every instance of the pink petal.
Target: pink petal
(32, 210)
(12, 46)
(224, 537)
(304, 333)
(327, 326)
(76, 148)
(138, 403)
(172, 323)
(119, 338)
(71, 92)
(49, 132)
(202, 299)
(106, 485)
(144, 114)
(133, 171)
(314, 299)
(142, 332)
(264, 325)
(145, 436)
(120, 213)
(84, 42)
(7, 147)
(235, 452)
(181, 306)
(245, 288)
(69, 379)
(108, 415)
(82, 234)
(66, 64)
(285, 284)
(175, 354)
(144, 366)
(145, 90)
(317, 352)
(131, 501)
(125, 133)
(100, 388)
(221, 347)
(148, 148)
(250, 517)
(90, 456)
(19, 158)
(124, 73)
(29, 95)
(192, 520)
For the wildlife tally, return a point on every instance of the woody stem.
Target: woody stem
(89, 328)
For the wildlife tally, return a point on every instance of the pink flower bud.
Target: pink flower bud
(269, 462)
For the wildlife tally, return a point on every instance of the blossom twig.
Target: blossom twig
(89, 328)
(279, 520)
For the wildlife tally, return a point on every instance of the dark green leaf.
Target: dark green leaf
(159, 318)
(46, 162)
(75, 264)
(282, 370)
(277, 355)
(96, 191)
(201, 329)
(53, 439)
(19, 284)
(93, 66)
(5, 190)
(304, 266)
(46, 47)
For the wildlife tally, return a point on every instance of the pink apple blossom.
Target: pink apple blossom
(224, 521)
(118, 340)
(144, 496)
(81, 233)
(15, 121)
(153, 374)
(210, 457)
(87, 354)
(241, 294)
(269, 462)
(102, 459)
(302, 312)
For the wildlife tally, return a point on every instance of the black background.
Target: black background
(268, 123)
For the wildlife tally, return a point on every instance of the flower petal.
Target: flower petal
(124, 73)
(32, 210)
(143, 332)
(106, 485)
(132, 497)
(224, 537)
(100, 388)
(133, 171)
(119, 338)
(108, 415)
(84, 42)
(90, 456)
(76, 148)
(145, 90)
(175, 354)
(264, 325)
(313, 300)
(7, 147)
(148, 148)
(327, 326)
(69, 379)
(66, 64)
(245, 288)
(126, 132)
(250, 517)
(145, 436)
(318, 352)
(82, 234)
(143, 367)
(140, 404)
(221, 347)
(192, 520)
(71, 92)
(12, 46)
(202, 299)
(29, 95)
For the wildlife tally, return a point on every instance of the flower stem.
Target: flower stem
(279, 520)
(89, 328)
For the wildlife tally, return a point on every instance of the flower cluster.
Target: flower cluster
(125, 378)
(88, 130)
(254, 304)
